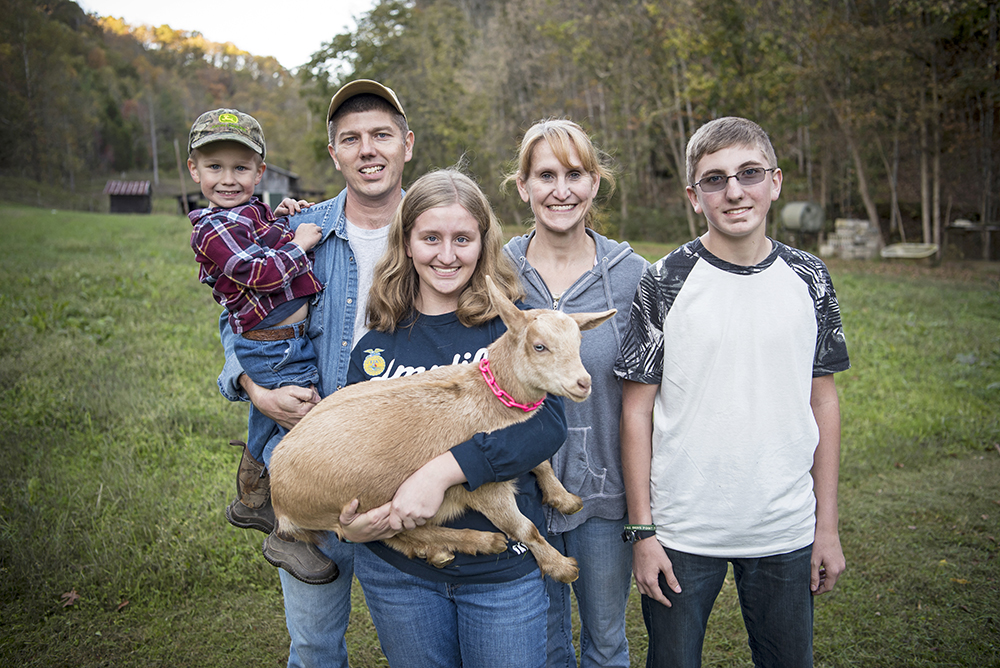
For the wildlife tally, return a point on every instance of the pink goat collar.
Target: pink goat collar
(505, 399)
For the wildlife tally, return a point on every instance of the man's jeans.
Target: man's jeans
(774, 597)
(317, 615)
(601, 594)
(425, 624)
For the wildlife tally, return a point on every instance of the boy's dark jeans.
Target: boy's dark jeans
(774, 596)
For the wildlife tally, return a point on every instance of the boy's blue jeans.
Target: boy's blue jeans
(774, 596)
(422, 624)
(274, 364)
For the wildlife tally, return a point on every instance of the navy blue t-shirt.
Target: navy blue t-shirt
(432, 341)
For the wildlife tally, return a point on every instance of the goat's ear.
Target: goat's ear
(591, 320)
(509, 313)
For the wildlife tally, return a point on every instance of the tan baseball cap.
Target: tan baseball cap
(359, 87)
(227, 125)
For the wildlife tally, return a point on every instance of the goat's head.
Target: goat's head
(547, 346)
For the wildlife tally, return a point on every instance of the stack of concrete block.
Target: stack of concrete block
(853, 239)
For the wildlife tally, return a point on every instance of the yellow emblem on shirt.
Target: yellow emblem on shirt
(374, 364)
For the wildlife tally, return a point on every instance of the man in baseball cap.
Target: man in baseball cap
(370, 143)
(363, 87)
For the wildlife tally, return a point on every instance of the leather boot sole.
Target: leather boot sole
(302, 560)
(243, 516)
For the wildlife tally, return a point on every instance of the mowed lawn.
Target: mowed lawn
(114, 550)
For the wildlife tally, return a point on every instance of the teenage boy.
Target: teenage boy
(730, 419)
(370, 143)
(259, 272)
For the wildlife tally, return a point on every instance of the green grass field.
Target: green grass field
(114, 550)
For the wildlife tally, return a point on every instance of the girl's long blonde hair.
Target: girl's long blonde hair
(395, 285)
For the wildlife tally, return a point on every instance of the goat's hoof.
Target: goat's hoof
(441, 558)
(497, 544)
(567, 504)
(563, 570)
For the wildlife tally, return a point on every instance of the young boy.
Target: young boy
(260, 274)
(730, 420)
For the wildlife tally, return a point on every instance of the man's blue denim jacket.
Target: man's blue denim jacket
(483, 458)
(331, 318)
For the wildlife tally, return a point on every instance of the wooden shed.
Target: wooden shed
(130, 196)
(277, 184)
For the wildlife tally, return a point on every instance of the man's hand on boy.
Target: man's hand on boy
(365, 527)
(290, 207)
(648, 561)
(828, 562)
(285, 405)
(307, 235)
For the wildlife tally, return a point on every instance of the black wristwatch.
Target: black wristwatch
(636, 532)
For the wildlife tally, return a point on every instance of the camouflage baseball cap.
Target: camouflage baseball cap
(227, 125)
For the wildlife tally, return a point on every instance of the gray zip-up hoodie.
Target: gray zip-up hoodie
(589, 462)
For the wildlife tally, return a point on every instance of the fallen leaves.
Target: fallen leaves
(69, 598)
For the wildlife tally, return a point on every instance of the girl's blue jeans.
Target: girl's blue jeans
(425, 624)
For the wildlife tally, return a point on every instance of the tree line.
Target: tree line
(878, 109)
(87, 95)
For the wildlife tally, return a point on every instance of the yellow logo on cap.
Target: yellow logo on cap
(228, 118)
(374, 364)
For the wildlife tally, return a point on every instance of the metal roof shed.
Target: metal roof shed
(130, 196)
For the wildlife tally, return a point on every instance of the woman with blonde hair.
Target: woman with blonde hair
(428, 307)
(565, 264)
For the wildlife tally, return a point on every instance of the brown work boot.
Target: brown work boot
(252, 507)
(304, 561)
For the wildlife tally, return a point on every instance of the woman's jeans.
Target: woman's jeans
(601, 595)
(774, 596)
(425, 624)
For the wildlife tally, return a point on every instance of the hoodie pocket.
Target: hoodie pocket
(572, 465)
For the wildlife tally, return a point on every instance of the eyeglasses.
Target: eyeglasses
(747, 177)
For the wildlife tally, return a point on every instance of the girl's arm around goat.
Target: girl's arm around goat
(501, 455)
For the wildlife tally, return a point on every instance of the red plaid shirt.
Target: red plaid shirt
(246, 255)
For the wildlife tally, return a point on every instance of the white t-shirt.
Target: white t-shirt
(368, 246)
(734, 351)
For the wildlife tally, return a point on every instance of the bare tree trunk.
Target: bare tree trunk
(823, 194)
(892, 169)
(987, 208)
(852, 146)
(623, 208)
(677, 145)
(807, 150)
(691, 219)
(935, 157)
(180, 173)
(29, 97)
(69, 166)
(152, 142)
(925, 191)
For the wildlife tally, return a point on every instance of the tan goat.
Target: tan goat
(334, 455)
